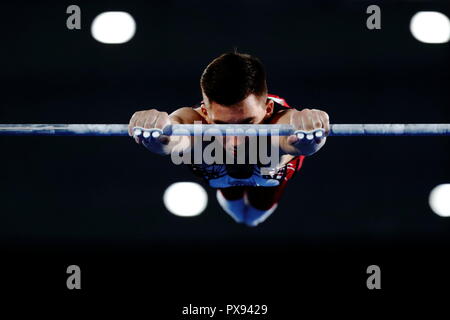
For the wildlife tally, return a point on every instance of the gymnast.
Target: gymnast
(234, 91)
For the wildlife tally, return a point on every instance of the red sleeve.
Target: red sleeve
(279, 100)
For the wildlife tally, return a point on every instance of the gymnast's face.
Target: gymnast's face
(251, 110)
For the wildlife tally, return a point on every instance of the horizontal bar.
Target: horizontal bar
(442, 129)
(63, 130)
(399, 129)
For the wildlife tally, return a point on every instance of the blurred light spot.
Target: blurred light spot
(113, 27)
(430, 27)
(185, 199)
(440, 200)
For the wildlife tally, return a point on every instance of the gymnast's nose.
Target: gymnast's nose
(233, 141)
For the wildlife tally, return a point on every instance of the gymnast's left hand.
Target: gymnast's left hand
(309, 120)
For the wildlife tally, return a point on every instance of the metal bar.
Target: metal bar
(229, 129)
(63, 130)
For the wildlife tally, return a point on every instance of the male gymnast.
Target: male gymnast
(234, 91)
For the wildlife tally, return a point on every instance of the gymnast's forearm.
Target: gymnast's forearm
(306, 148)
(166, 145)
(282, 141)
(309, 148)
(174, 144)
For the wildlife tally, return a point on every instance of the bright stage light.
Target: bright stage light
(113, 27)
(439, 200)
(430, 27)
(185, 199)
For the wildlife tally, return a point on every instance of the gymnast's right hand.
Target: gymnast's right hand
(149, 119)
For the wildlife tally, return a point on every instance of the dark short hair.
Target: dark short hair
(232, 77)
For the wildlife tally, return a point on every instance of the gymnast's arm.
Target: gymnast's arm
(164, 145)
(305, 120)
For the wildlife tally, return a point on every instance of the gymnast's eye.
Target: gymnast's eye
(248, 121)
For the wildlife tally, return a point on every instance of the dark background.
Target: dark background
(97, 201)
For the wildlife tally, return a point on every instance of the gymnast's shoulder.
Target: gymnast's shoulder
(187, 115)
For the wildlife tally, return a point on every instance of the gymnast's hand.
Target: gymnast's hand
(308, 121)
(149, 119)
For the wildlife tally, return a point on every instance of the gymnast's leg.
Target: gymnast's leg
(232, 200)
(250, 205)
(261, 203)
